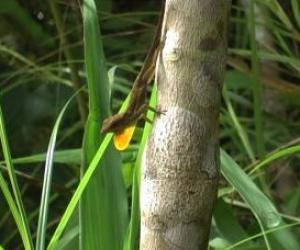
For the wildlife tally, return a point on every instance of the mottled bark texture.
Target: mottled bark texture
(181, 162)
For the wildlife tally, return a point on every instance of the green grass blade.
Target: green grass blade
(68, 238)
(67, 156)
(266, 215)
(28, 244)
(79, 191)
(82, 185)
(35, 213)
(227, 223)
(13, 208)
(257, 85)
(258, 202)
(276, 8)
(270, 231)
(97, 76)
(240, 130)
(30, 64)
(277, 155)
(263, 209)
(296, 11)
(46, 190)
(132, 237)
(103, 208)
(291, 61)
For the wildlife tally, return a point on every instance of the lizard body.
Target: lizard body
(137, 105)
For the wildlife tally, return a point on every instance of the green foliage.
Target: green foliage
(15, 201)
(103, 208)
(45, 196)
(84, 183)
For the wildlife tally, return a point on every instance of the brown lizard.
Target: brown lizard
(137, 105)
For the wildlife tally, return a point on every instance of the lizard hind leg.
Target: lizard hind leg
(144, 117)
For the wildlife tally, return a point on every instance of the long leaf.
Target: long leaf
(13, 207)
(78, 193)
(66, 156)
(44, 206)
(239, 128)
(131, 241)
(263, 209)
(277, 155)
(27, 240)
(103, 208)
(83, 184)
(257, 85)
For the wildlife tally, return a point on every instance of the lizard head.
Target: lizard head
(115, 124)
(109, 125)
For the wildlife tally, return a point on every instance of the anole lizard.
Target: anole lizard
(123, 124)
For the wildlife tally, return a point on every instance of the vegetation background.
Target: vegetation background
(50, 50)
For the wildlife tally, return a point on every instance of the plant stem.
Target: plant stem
(257, 86)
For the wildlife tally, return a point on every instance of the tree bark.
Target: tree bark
(181, 161)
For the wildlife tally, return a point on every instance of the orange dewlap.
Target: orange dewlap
(123, 139)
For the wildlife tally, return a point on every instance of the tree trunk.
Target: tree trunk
(181, 161)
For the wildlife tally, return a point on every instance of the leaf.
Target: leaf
(25, 232)
(227, 224)
(296, 11)
(276, 155)
(103, 207)
(82, 186)
(78, 192)
(262, 208)
(68, 156)
(131, 240)
(46, 190)
(241, 131)
(13, 208)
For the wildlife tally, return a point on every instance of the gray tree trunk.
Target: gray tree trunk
(181, 162)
